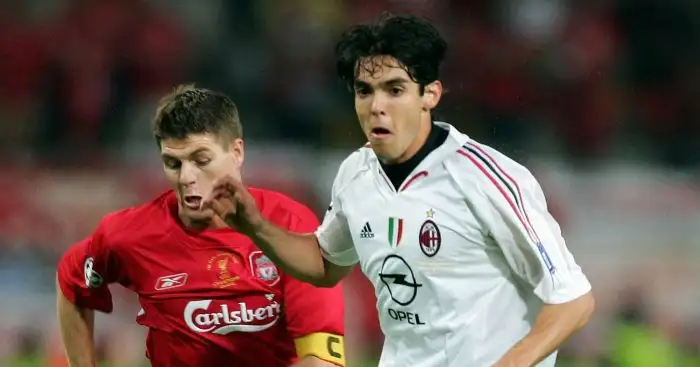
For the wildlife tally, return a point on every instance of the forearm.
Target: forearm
(299, 255)
(76, 332)
(554, 324)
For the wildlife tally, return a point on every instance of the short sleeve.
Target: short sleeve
(514, 212)
(334, 235)
(315, 316)
(85, 271)
(532, 243)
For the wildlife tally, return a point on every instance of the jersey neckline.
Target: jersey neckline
(455, 139)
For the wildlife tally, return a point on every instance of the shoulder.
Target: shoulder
(476, 166)
(122, 225)
(282, 209)
(352, 166)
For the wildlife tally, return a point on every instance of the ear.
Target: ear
(237, 148)
(431, 95)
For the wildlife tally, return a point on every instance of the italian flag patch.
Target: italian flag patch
(395, 231)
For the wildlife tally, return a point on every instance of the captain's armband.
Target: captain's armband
(329, 347)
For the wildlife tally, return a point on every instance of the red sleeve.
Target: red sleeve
(309, 309)
(86, 269)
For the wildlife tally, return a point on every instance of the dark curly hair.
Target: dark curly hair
(414, 42)
(188, 110)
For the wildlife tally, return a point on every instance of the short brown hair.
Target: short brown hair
(189, 110)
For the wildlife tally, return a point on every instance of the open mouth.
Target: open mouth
(193, 201)
(379, 133)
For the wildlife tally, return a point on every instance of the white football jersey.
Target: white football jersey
(461, 257)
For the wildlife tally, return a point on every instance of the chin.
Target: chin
(384, 156)
(199, 215)
(380, 150)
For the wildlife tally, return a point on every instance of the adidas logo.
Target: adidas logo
(366, 231)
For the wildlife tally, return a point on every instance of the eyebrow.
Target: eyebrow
(387, 83)
(197, 151)
(360, 84)
(396, 81)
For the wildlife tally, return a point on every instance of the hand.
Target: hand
(231, 201)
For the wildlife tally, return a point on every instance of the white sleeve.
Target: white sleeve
(334, 235)
(335, 239)
(530, 237)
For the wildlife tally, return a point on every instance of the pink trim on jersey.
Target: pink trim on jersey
(512, 180)
(413, 179)
(500, 188)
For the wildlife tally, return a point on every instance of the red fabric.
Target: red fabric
(209, 298)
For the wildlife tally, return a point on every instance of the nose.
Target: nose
(187, 174)
(378, 104)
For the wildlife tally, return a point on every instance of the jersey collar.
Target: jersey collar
(454, 141)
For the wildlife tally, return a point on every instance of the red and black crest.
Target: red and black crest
(429, 238)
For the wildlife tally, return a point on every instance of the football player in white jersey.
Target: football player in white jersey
(469, 267)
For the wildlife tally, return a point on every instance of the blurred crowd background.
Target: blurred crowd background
(599, 98)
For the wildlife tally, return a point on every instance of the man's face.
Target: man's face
(193, 164)
(391, 108)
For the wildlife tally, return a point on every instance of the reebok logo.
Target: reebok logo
(171, 281)
(366, 232)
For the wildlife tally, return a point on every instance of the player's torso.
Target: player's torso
(216, 297)
(435, 274)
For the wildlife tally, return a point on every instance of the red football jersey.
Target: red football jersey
(209, 298)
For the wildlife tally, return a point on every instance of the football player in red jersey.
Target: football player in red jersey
(209, 297)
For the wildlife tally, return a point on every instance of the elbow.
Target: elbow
(587, 308)
(325, 282)
(319, 279)
(329, 275)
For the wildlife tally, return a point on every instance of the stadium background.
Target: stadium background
(599, 98)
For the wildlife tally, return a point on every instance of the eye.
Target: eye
(202, 161)
(396, 91)
(362, 92)
(172, 163)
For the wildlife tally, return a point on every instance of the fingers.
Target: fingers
(220, 200)
(230, 183)
(231, 201)
(223, 187)
(223, 207)
(225, 193)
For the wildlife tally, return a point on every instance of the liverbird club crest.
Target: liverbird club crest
(263, 268)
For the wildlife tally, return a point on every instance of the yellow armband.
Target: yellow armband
(329, 347)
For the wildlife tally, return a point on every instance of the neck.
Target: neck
(423, 133)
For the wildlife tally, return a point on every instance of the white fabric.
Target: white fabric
(476, 257)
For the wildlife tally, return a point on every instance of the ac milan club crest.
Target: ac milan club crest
(429, 238)
(263, 268)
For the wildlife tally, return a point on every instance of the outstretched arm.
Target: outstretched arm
(298, 254)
